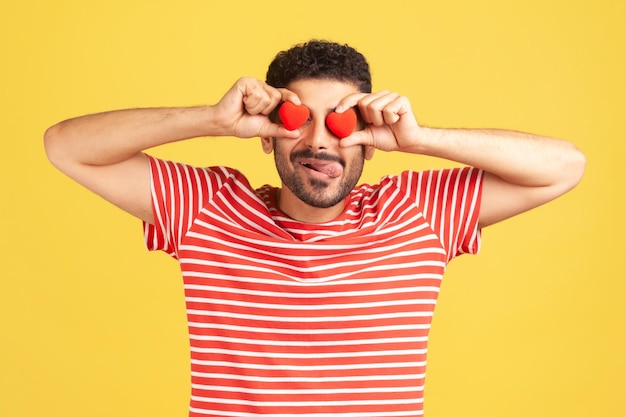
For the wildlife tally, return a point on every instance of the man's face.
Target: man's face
(313, 168)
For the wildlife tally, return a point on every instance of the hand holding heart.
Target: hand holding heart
(244, 109)
(391, 124)
(243, 112)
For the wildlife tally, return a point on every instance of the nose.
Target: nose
(317, 136)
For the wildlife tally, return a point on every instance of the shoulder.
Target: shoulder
(446, 177)
(163, 170)
(423, 186)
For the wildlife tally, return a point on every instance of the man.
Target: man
(314, 298)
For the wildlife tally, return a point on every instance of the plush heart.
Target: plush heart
(292, 115)
(342, 124)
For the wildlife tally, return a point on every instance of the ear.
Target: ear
(369, 152)
(268, 144)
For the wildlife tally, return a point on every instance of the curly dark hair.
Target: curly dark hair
(320, 59)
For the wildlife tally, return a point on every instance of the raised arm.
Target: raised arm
(103, 151)
(523, 171)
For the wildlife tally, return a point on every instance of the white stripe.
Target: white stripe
(328, 391)
(306, 343)
(186, 204)
(287, 294)
(325, 278)
(310, 368)
(455, 233)
(292, 319)
(308, 307)
(316, 380)
(158, 215)
(425, 193)
(402, 401)
(308, 356)
(289, 283)
(219, 413)
(444, 223)
(171, 199)
(305, 331)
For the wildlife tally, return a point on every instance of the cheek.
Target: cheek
(281, 152)
(278, 145)
(356, 160)
(357, 154)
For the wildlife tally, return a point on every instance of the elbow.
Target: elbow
(566, 172)
(579, 164)
(574, 168)
(53, 143)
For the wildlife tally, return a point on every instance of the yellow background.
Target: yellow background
(93, 325)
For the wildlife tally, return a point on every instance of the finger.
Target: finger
(359, 137)
(256, 102)
(276, 130)
(275, 97)
(391, 111)
(375, 108)
(349, 101)
(365, 101)
(395, 109)
(288, 95)
(257, 96)
(278, 96)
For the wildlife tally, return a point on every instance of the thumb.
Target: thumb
(276, 130)
(359, 137)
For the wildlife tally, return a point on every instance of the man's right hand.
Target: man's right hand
(243, 111)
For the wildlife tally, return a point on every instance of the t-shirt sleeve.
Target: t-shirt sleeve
(450, 202)
(179, 192)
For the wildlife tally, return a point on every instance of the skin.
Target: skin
(307, 194)
(103, 151)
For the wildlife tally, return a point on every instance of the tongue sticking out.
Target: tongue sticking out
(332, 169)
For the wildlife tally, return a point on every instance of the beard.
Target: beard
(314, 191)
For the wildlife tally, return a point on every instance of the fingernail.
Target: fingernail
(339, 109)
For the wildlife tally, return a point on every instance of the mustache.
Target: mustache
(309, 154)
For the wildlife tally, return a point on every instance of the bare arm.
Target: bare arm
(103, 151)
(523, 170)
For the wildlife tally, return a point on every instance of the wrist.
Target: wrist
(428, 140)
(209, 122)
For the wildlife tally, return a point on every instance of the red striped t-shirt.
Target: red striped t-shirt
(294, 319)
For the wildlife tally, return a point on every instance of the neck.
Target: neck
(298, 210)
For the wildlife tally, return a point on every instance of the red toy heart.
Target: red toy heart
(342, 124)
(292, 115)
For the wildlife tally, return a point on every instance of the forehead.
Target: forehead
(322, 94)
